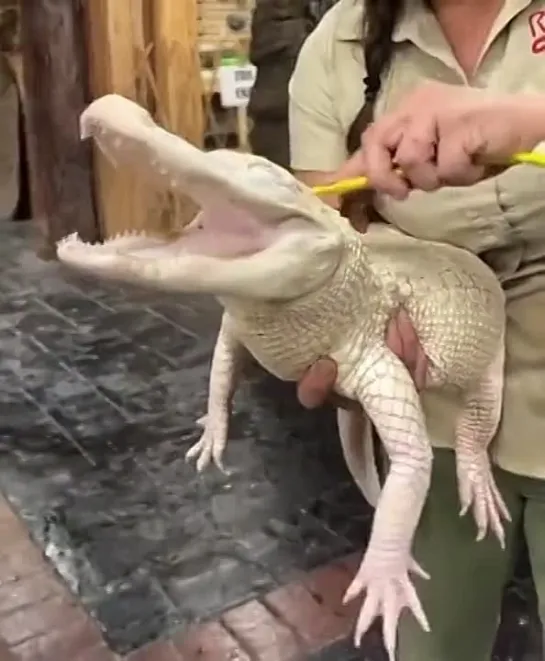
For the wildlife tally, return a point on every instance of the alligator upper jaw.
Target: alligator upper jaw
(260, 231)
(129, 136)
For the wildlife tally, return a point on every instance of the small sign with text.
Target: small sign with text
(235, 84)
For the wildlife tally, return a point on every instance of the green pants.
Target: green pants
(463, 598)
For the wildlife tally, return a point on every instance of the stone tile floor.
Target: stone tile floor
(130, 554)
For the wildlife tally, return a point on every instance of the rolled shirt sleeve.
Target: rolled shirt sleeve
(317, 139)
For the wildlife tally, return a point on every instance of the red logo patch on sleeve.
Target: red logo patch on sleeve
(537, 30)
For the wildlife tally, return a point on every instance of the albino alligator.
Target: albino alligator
(297, 283)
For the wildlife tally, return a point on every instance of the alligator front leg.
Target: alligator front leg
(386, 391)
(224, 373)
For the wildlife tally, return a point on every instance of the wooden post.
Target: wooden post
(180, 102)
(55, 77)
(117, 55)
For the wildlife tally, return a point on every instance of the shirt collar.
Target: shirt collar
(349, 25)
(416, 23)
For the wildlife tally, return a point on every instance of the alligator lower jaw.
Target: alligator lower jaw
(102, 257)
(226, 234)
(295, 262)
(203, 245)
(139, 258)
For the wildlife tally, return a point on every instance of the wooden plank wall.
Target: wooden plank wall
(179, 85)
(55, 76)
(215, 26)
(115, 46)
(162, 54)
(146, 50)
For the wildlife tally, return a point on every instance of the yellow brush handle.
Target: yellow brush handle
(536, 158)
(342, 187)
(359, 183)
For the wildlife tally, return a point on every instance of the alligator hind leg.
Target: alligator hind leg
(474, 432)
(387, 393)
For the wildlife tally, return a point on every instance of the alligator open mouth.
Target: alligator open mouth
(249, 206)
(221, 233)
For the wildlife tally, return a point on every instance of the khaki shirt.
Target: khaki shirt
(502, 219)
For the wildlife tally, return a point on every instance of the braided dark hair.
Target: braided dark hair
(379, 20)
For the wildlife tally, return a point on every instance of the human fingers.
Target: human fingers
(394, 341)
(379, 143)
(317, 383)
(416, 153)
(355, 166)
(402, 340)
(413, 352)
(408, 339)
(458, 158)
(420, 373)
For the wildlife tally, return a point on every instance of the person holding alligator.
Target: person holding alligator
(442, 134)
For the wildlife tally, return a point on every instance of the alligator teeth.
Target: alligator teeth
(70, 238)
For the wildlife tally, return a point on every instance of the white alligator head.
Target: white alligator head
(260, 233)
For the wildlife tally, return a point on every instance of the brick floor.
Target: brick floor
(40, 621)
(301, 621)
(209, 642)
(38, 617)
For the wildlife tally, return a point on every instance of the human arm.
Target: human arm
(317, 146)
(447, 135)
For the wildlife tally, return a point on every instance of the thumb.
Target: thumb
(317, 383)
(353, 167)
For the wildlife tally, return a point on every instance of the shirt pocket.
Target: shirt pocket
(522, 199)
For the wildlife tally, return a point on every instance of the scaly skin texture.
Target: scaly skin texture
(227, 364)
(307, 286)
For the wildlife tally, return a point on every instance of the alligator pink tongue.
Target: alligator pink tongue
(220, 231)
(225, 231)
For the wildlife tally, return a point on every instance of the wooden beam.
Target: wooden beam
(15, 61)
(180, 102)
(117, 58)
(177, 68)
(55, 77)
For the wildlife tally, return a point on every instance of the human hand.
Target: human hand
(316, 385)
(447, 135)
